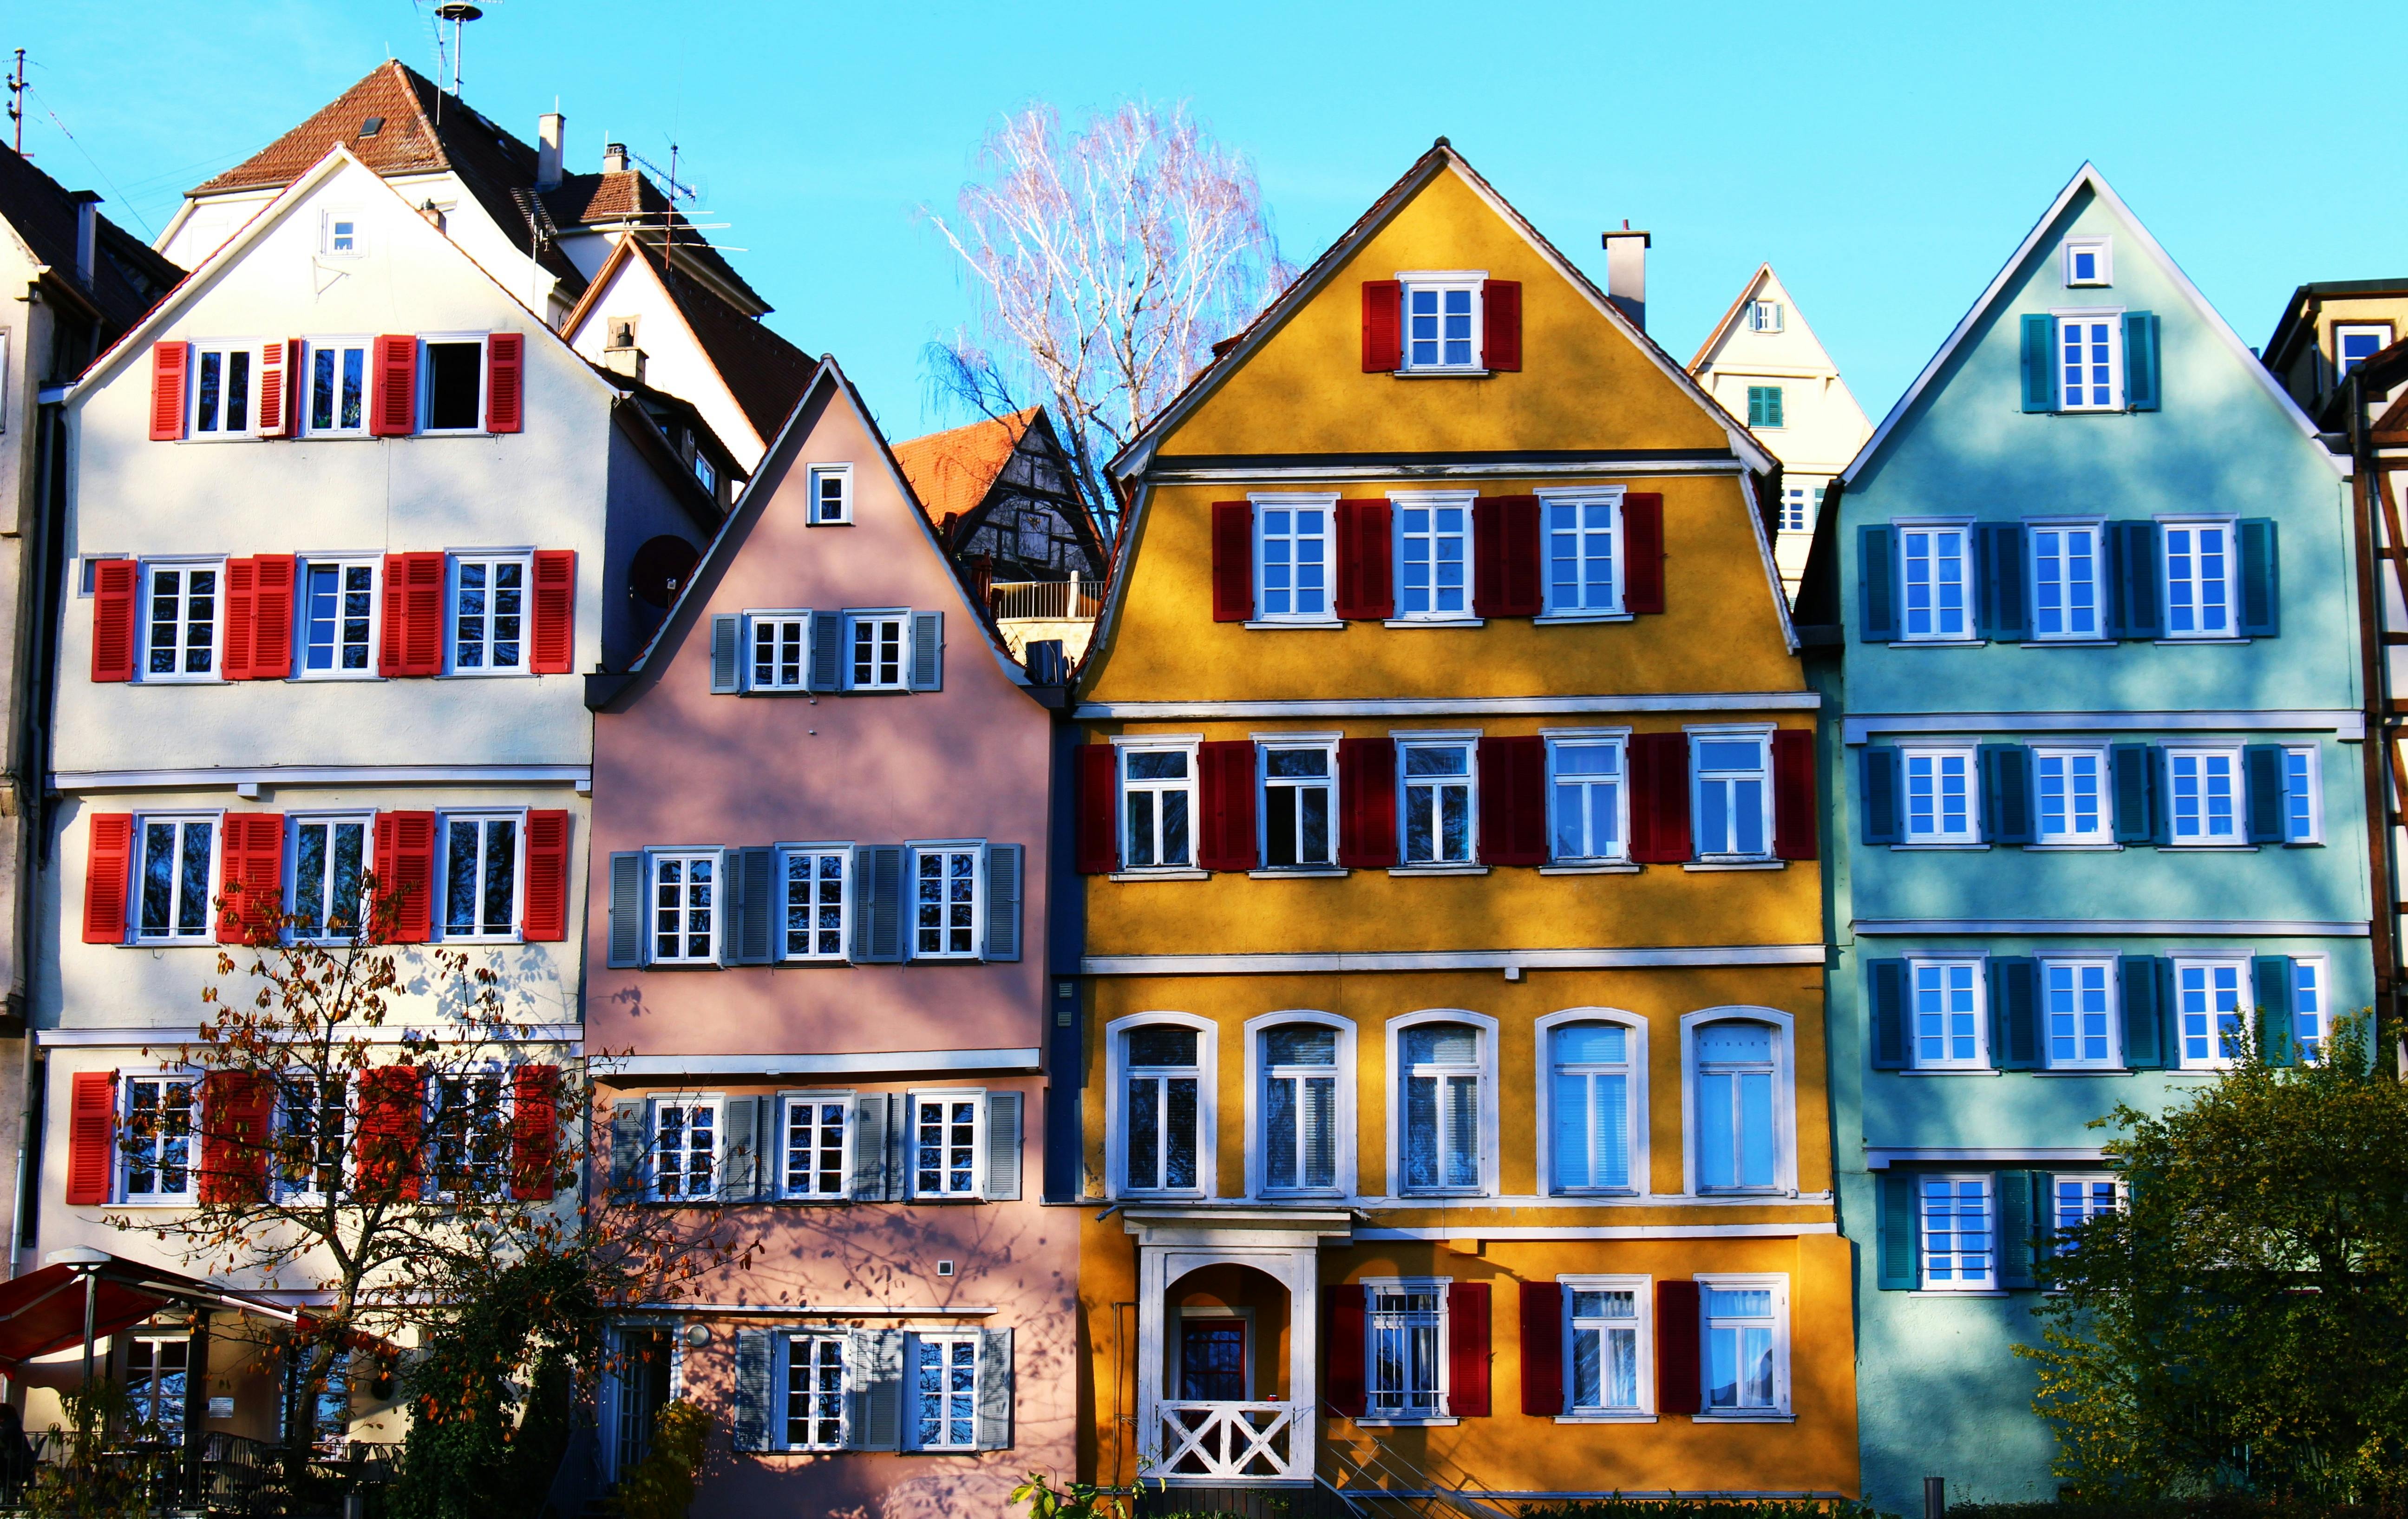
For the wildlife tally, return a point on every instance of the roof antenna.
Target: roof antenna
(459, 13)
(17, 102)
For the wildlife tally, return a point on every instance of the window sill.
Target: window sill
(2181, 643)
(1939, 643)
(1943, 1292)
(2073, 849)
(2210, 849)
(159, 1205)
(1545, 619)
(1746, 1418)
(2082, 1070)
(1609, 870)
(486, 675)
(172, 943)
(1605, 1418)
(2068, 643)
(1331, 624)
(1406, 1421)
(1736, 865)
(1435, 372)
(1436, 622)
(1307, 872)
(1176, 873)
(1950, 1070)
(1438, 870)
(1924, 848)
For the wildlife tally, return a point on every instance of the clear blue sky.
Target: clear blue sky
(1885, 157)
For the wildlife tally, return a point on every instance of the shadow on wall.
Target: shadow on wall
(1957, 1404)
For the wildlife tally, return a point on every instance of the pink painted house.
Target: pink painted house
(817, 965)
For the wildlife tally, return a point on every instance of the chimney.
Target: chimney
(87, 205)
(1626, 272)
(624, 360)
(614, 158)
(549, 128)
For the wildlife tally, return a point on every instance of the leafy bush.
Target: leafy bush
(662, 1484)
(1682, 1508)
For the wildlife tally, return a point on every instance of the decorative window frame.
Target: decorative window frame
(1641, 1158)
(452, 560)
(1783, 1335)
(717, 1102)
(339, 562)
(2103, 247)
(1398, 501)
(1326, 502)
(1587, 495)
(517, 816)
(1901, 526)
(1258, 1146)
(1761, 734)
(426, 388)
(1208, 1105)
(1439, 1285)
(1393, 1103)
(1983, 1059)
(1784, 1096)
(1409, 280)
(2238, 757)
(121, 1098)
(2113, 316)
(2097, 526)
(136, 858)
(2102, 836)
(912, 1097)
(1988, 1286)
(813, 476)
(143, 674)
(1618, 739)
(1938, 838)
(2230, 524)
(2114, 1061)
(1264, 743)
(335, 343)
(786, 1099)
(1467, 739)
(1643, 1289)
(2246, 990)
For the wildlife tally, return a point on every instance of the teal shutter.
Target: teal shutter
(2040, 362)
(2043, 1189)
(726, 654)
(2261, 774)
(1877, 583)
(1900, 1269)
(2134, 769)
(2141, 369)
(2270, 980)
(2006, 792)
(2014, 1197)
(2261, 580)
(1998, 600)
(750, 1431)
(2015, 1012)
(2132, 579)
(1881, 793)
(1886, 988)
(2142, 990)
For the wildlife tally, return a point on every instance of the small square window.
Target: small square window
(2076, 1200)
(1764, 316)
(1441, 322)
(831, 494)
(345, 234)
(2353, 343)
(2089, 262)
(454, 384)
(1949, 1028)
(1764, 406)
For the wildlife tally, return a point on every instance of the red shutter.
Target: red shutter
(250, 878)
(393, 412)
(169, 364)
(1501, 314)
(1345, 1379)
(393, 1111)
(91, 1139)
(1793, 794)
(1659, 798)
(109, 866)
(413, 615)
(1227, 772)
(1233, 561)
(1514, 802)
(1677, 1383)
(1543, 1349)
(271, 616)
(505, 364)
(235, 1108)
(1367, 803)
(555, 611)
(1642, 552)
(275, 413)
(1366, 561)
(546, 875)
(296, 355)
(1383, 327)
(534, 1111)
(1467, 1349)
(1506, 576)
(116, 584)
(241, 606)
(1097, 784)
(405, 877)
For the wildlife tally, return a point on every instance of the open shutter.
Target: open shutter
(1006, 865)
(627, 946)
(1998, 601)
(116, 584)
(995, 1390)
(169, 362)
(546, 875)
(413, 615)
(1366, 561)
(235, 1142)
(296, 355)
(827, 650)
(1500, 317)
(2271, 980)
(393, 1110)
(2261, 580)
(878, 905)
(1384, 326)
(2142, 995)
(626, 1150)
(2132, 580)
(929, 651)
(251, 878)
(748, 1430)
(2015, 1012)
(505, 377)
(1345, 1378)
(2006, 792)
(393, 410)
(871, 1180)
(1467, 1349)
(1877, 583)
(1003, 1146)
(1879, 765)
(1514, 802)
(271, 616)
(740, 1138)
(1899, 1271)
(2261, 774)
(2040, 362)
(881, 1394)
(754, 933)
(109, 865)
(1097, 784)
(2143, 375)
(1507, 577)
(404, 876)
(1794, 813)
(1659, 798)
(1886, 991)
(1233, 561)
(92, 1138)
(275, 414)
(1367, 803)
(1642, 552)
(241, 604)
(1679, 1387)
(1543, 1349)
(1225, 771)
(2013, 1190)
(726, 636)
(2133, 769)
(554, 650)
(534, 1131)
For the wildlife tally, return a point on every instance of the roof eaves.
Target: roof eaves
(1721, 328)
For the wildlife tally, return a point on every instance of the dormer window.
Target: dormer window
(1442, 320)
(2088, 261)
(1764, 316)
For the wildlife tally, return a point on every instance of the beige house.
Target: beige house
(2327, 329)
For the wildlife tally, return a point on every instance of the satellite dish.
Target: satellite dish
(660, 571)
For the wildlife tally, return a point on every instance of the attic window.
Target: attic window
(370, 127)
(2089, 261)
(1764, 316)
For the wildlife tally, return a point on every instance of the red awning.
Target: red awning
(41, 1312)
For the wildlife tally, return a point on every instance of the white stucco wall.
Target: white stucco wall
(673, 361)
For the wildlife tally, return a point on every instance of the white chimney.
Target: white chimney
(614, 158)
(549, 128)
(87, 235)
(1626, 272)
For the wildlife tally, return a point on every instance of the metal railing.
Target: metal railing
(232, 1474)
(1073, 600)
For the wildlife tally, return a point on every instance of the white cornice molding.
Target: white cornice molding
(165, 1035)
(210, 776)
(1596, 959)
(2172, 928)
(2346, 724)
(1881, 1157)
(614, 1068)
(1718, 701)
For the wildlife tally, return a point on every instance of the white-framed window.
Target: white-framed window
(1591, 1083)
(183, 607)
(686, 1131)
(1434, 789)
(1764, 316)
(1443, 1070)
(1291, 558)
(468, 1134)
(779, 644)
(2212, 1008)
(819, 916)
(343, 233)
(1606, 1325)
(2070, 798)
(945, 1389)
(225, 390)
(2200, 559)
(947, 900)
(1747, 1344)
(452, 383)
(176, 869)
(2303, 794)
(313, 1123)
(481, 874)
(1941, 808)
(1587, 806)
(948, 1140)
(1299, 803)
(1162, 1109)
(330, 854)
(1740, 1095)
(814, 1133)
(338, 620)
(1405, 1371)
(2204, 799)
(1583, 530)
(706, 473)
(2309, 974)
(831, 495)
(1157, 806)
(489, 613)
(158, 1379)
(685, 911)
(817, 1388)
(2076, 1199)
(1937, 560)
(1442, 321)
(1950, 1017)
(1433, 530)
(2065, 563)
(2078, 1016)
(156, 1154)
(1731, 801)
(2354, 342)
(2089, 261)
(1960, 1246)
(337, 390)
(2089, 361)
(1302, 1107)
(878, 651)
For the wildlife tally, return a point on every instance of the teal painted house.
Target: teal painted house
(2086, 617)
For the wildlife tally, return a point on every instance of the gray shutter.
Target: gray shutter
(627, 1149)
(995, 1390)
(827, 650)
(1899, 1267)
(727, 653)
(1003, 880)
(2015, 1012)
(878, 904)
(1883, 825)
(1003, 1144)
(871, 1180)
(739, 1148)
(881, 1394)
(1885, 989)
(751, 1425)
(927, 651)
(627, 909)
(756, 872)
(2013, 1190)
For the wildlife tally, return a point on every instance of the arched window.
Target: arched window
(1442, 1073)
(1589, 1106)
(1160, 1113)
(1738, 1133)
(1299, 1098)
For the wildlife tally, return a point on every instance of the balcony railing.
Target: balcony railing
(1234, 1441)
(1073, 600)
(233, 1475)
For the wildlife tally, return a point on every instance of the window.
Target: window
(1161, 1118)
(1940, 807)
(1949, 1029)
(221, 389)
(685, 908)
(1582, 577)
(343, 238)
(815, 1392)
(1959, 1253)
(2073, 807)
(945, 902)
(1764, 316)
(706, 473)
(1299, 1108)
(2089, 262)
(1291, 559)
(1442, 323)
(1606, 1324)
(182, 608)
(2308, 1007)
(177, 859)
(2078, 1010)
(2091, 360)
(156, 1149)
(876, 644)
(1585, 789)
(329, 855)
(946, 1135)
(1433, 558)
(2076, 1200)
(1764, 406)
(816, 1129)
(1158, 797)
(619, 332)
(470, 1135)
(2211, 1004)
(330, 1421)
(782, 651)
(1936, 559)
(1441, 1079)
(686, 1148)
(338, 619)
(455, 385)
(2065, 581)
(1747, 1345)
(157, 1372)
(338, 383)
(1588, 1108)
(1300, 797)
(1733, 807)
(2199, 589)
(489, 615)
(2206, 802)
(480, 876)
(313, 1115)
(944, 1390)
(1437, 793)
(2355, 343)
(1792, 510)
(1404, 1332)
(2303, 796)
(817, 923)
(831, 494)
(1738, 1144)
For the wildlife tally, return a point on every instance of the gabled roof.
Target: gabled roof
(2086, 177)
(2299, 312)
(953, 471)
(1739, 303)
(765, 374)
(128, 278)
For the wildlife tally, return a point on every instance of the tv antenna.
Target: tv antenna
(17, 103)
(459, 13)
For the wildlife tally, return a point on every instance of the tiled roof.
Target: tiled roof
(953, 471)
(128, 278)
(764, 372)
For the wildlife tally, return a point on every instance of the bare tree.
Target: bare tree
(1107, 264)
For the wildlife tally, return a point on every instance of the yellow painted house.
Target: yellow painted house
(1455, 1112)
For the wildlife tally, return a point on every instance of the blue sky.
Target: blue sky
(1884, 158)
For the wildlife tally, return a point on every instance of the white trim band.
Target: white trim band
(1610, 1231)
(164, 1036)
(1602, 959)
(578, 776)
(614, 1067)
(1881, 1157)
(1349, 474)
(2346, 723)
(1701, 701)
(2215, 927)
(809, 1310)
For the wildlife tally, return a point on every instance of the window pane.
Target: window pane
(1442, 1044)
(1156, 1045)
(1301, 1046)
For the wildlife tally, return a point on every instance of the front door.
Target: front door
(1213, 1360)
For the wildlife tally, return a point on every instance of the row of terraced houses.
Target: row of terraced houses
(1536, 921)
